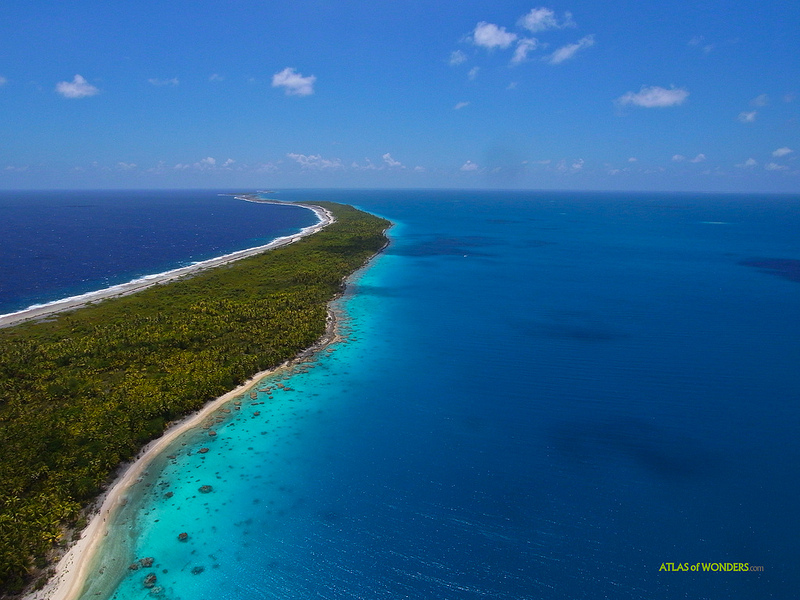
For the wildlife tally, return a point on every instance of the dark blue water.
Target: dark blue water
(59, 244)
(541, 396)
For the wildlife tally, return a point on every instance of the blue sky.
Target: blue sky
(630, 95)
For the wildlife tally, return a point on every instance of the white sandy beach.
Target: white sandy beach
(72, 570)
(46, 310)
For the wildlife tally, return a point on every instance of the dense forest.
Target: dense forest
(83, 392)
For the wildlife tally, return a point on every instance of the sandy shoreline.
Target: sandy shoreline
(73, 569)
(46, 310)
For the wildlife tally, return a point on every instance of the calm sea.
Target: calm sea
(540, 396)
(55, 245)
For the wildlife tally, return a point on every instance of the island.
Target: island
(84, 388)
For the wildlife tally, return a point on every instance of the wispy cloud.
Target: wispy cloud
(678, 158)
(782, 152)
(77, 88)
(570, 50)
(163, 82)
(469, 166)
(540, 19)
(775, 167)
(204, 164)
(524, 46)
(473, 73)
(457, 57)
(460, 105)
(654, 97)
(575, 166)
(760, 100)
(3, 81)
(747, 117)
(294, 83)
(489, 35)
(699, 41)
(699, 158)
(123, 166)
(387, 158)
(216, 77)
(748, 164)
(315, 161)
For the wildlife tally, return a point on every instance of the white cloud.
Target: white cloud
(369, 166)
(750, 162)
(782, 151)
(77, 88)
(473, 73)
(775, 167)
(761, 100)
(489, 35)
(160, 82)
(568, 51)
(457, 57)
(460, 105)
(387, 158)
(512, 85)
(419, 169)
(3, 81)
(294, 83)
(469, 166)
(524, 46)
(654, 97)
(204, 164)
(228, 163)
(578, 164)
(632, 159)
(678, 158)
(266, 168)
(540, 19)
(123, 166)
(216, 77)
(699, 158)
(747, 117)
(315, 161)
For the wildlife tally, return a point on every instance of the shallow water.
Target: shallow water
(539, 396)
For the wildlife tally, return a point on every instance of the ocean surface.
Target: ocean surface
(539, 396)
(55, 245)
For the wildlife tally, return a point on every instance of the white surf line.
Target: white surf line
(41, 311)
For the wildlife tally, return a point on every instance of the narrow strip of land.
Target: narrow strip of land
(83, 393)
(73, 569)
(47, 310)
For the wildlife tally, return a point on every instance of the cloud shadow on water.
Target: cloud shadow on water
(787, 268)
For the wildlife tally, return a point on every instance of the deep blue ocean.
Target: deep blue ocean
(539, 396)
(60, 244)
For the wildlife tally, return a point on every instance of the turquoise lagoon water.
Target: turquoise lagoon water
(540, 396)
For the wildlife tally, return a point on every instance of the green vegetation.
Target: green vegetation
(82, 393)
